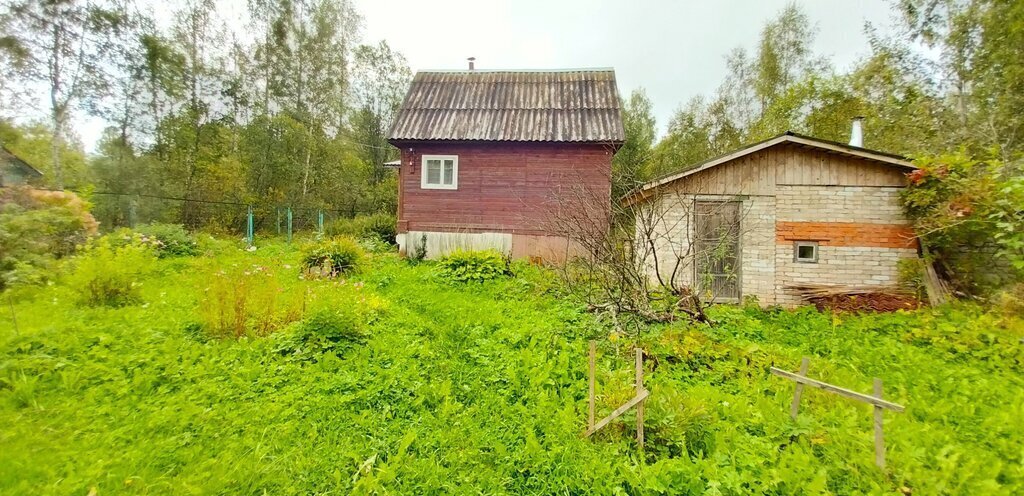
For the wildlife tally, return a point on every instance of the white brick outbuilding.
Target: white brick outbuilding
(792, 210)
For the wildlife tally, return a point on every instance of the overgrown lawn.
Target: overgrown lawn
(437, 387)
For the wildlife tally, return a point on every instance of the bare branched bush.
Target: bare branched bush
(669, 255)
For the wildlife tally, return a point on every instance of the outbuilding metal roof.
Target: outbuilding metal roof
(575, 105)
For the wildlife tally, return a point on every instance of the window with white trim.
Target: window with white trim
(440, 172)
(805, 251)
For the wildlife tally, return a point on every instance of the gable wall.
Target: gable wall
(760, 172)
(505, 188)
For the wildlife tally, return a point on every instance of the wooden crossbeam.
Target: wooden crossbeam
(878, 403)
(642, 395)
(799, 379)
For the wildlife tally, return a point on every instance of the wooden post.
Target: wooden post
(639, 390)
(879, 437)
(795, 407)
(590, 389)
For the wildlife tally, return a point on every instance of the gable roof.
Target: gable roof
(876, 156)
(8, 157)
(572, 105)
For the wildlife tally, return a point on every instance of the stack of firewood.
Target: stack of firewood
(814, 291)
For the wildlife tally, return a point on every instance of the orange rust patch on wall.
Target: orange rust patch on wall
(847, 234)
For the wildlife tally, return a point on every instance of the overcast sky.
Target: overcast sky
(674, 49)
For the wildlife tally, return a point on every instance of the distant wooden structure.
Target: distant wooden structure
(876, 400)
(14, 171)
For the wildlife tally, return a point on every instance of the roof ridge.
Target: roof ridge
(462, 71)
(568, 105)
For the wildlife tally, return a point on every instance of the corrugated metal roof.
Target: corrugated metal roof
(578, 105)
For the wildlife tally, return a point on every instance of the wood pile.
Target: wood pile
(856, 298)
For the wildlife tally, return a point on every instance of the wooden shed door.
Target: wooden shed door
(717, 249)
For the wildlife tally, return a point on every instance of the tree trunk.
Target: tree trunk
(56, 108)
(305, 172)
(55, 145)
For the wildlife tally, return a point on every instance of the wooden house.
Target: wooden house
(789, 212)
(487, 155)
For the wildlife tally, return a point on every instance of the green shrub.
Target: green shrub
(172, 240)
(329, 330)
(331, 257)
(374, 245)
(1011, 301)
(379, 226)
(968, 216)
(473, 266)
(108, 271)
(37, 228)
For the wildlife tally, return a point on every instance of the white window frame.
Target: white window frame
(455, 172)
(796, 251)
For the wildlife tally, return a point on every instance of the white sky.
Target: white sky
(674, 49)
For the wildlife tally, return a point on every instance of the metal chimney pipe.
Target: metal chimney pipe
(857, 132)
(471, 60)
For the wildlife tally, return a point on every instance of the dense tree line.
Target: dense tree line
(291, 108)
(288, 109)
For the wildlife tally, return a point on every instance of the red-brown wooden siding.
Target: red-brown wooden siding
(502, 187)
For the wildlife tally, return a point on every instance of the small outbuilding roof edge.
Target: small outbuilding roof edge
(643, 192)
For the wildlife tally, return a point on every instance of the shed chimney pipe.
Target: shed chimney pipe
(857, 133)
(471, 60)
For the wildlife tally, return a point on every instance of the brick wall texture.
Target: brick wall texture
(860, 230)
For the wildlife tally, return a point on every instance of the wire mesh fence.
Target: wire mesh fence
(115, 210)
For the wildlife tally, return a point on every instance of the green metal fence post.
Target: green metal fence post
(249, 227)
(320, 222)
(289, 224)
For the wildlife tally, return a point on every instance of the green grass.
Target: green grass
(481, 389)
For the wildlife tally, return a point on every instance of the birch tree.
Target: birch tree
(381, 77)
(64, 45)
